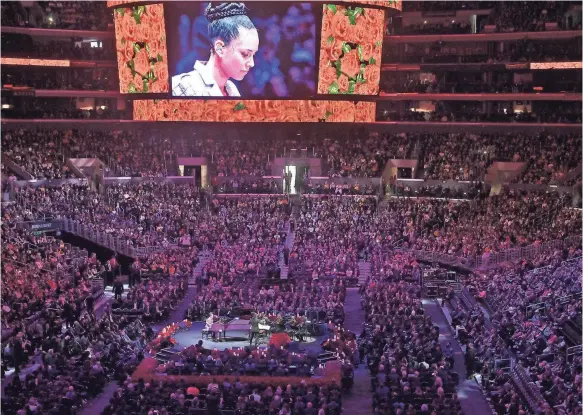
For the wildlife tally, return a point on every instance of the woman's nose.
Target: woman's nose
(251, 63)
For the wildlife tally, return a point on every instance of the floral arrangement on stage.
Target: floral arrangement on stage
(253, 111)
(350, 50)
(166, 335)
(142, 55)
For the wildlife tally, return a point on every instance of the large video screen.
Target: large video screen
(252, 50)
(351, 47)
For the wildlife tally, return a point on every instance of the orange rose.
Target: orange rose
(335, 51)
(141, 62)
(327, 76)
(365, 112)
(343, 83)
(162, 110)
(255, 110)
(340, 27)
(187, 110)
(357, 33)
(272, 109)
(315, 110)
(155, 12)
(367, 51)
(350, 63)
(326, 29)
(342, 111)
(214, 110)
(372, 75)
(242, 115)
(143, 110)
(161, 71)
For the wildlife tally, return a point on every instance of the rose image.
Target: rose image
(367, 51)
(150, 30)
(372, 74)
(365, 112)
(141, 62)
(357, 33)
(328, 75)
(241, 115)
(343, 83)
(342, 111)
(188, 110)
(350, 63)
(335, 51)
(316, 110)
(161, 72)
(326, 29)
(155, 12)
(272, 109)
(340, 26)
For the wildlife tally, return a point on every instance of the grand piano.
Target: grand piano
(234, 329)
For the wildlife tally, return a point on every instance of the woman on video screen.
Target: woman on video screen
(234, 42)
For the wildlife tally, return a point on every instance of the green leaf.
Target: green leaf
(120, 10)
(140, 10)
(132, 88)
(148, 49)
(132, 67)
(145, 85)
(352, 19)
(159, 58)
(136, 17)
(351, 86)
(358, 11)
(378, 43)
(372, 61)
(345, 47)
(328, 113)
(151, 75)
(334, 89)
(123, 40)
(359, 49)
(136, 48)
(240, 106)
(332, 7)
(362, 67)
(330, 39)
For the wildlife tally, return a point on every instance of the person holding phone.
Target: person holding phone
(234, 43)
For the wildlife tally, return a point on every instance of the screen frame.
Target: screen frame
(318, 16)
(322, 97)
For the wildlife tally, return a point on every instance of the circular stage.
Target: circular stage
(192, 336)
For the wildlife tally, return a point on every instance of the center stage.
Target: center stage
(193, 335)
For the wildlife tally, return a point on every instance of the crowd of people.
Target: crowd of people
(460, 82)
(410, 372)
(455, 156)
(551, 112)
(241, 396)
(73, 15)
(104, 79)
(236, 296)
(330, 234)
(529, 303)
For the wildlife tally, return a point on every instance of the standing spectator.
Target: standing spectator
(117, 289)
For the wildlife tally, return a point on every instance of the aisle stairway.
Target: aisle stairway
(471, 398)
(289, 243)
(359, 400)
(204, 257)
(363, 272)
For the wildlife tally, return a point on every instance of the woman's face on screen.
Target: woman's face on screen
(238, 56)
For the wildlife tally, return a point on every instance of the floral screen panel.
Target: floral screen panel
(350, 50)
(254, 111)
(142, 56)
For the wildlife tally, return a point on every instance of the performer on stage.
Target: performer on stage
(209, 322)
(254, 328)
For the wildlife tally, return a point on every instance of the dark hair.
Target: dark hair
(225, 20)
